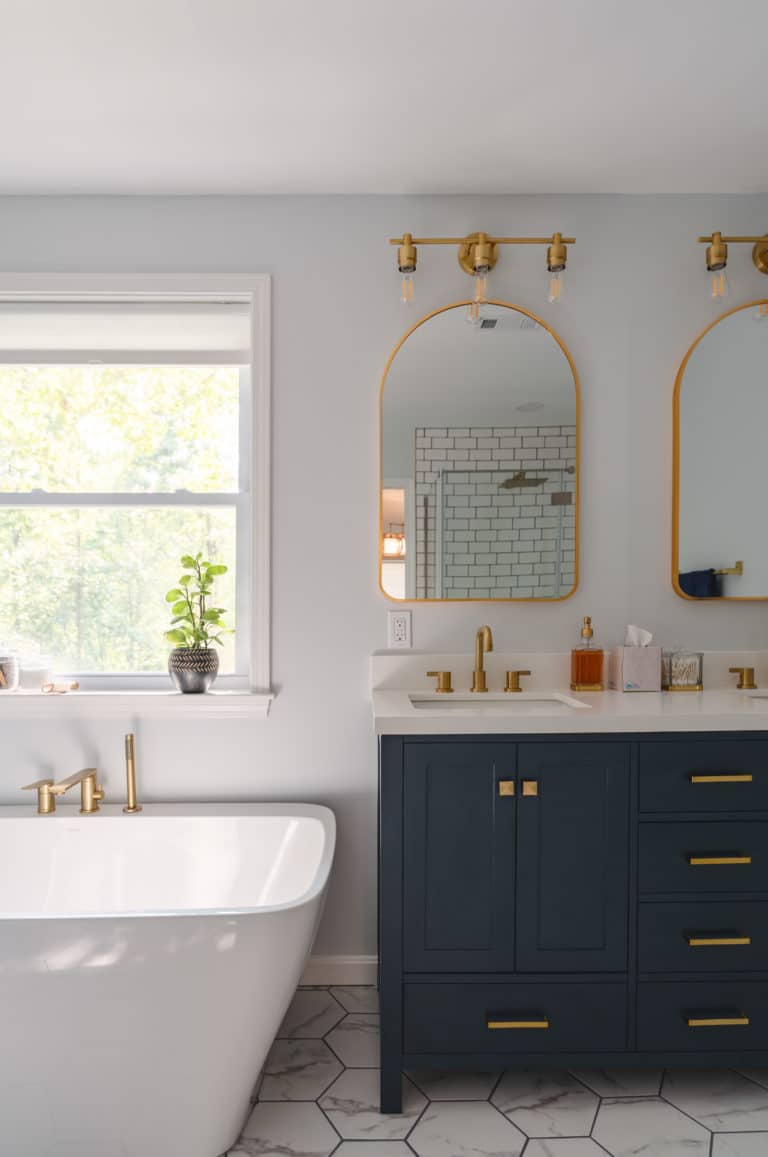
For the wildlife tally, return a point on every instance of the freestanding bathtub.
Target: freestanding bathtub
(146, 962)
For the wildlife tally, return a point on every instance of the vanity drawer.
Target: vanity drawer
(703, 936)
(514, 1018)
(714, 775)
(699, 856)
(726, 1015)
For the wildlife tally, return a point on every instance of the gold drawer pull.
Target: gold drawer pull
(735, 777)
(698, 861)
(530, 1022)
(695, 941)
(716, 1021)
(506, 787)
(530, 787)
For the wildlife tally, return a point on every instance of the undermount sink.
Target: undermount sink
(522, 703)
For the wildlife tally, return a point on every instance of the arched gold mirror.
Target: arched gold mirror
(719, 545)
(479, 480)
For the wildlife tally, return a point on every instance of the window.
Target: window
(127, 426)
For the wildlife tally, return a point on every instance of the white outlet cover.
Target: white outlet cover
(399, 630)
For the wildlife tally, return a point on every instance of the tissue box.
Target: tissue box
(634, 669)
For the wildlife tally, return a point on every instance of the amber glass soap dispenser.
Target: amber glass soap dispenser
(587, 662)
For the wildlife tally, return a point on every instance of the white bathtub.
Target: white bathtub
(146, 962)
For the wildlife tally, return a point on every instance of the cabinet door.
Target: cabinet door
(459, 857)
(572, 860)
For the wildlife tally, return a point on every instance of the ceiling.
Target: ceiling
(393, 96)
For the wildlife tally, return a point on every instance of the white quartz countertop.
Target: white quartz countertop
(602, 711)
(548, 706)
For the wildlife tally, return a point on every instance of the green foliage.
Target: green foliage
(194, 623)
(85, 584)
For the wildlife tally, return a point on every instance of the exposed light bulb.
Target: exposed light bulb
(406, 288)
(761, 313)
(481, 285)
(718, 283)
(555, 287)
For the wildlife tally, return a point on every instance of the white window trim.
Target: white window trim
(256, 290)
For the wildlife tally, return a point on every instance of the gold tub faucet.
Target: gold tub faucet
(483, 644)
(132, 805)
(91, 790)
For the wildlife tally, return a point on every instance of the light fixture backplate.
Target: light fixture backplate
(465, 253)
(760, 255)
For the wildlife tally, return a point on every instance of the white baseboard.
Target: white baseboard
(341, 970)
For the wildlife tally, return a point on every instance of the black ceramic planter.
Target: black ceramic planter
(192, 669)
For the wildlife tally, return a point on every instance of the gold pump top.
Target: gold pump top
(586, 630)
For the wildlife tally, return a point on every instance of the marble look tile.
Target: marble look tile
(724, 1101)
(313, 1013)
(546, 1104)
(564, 1147)
(355, 1040)
(352, 1106)
(373, 1149)
(621, 1082)
(449, 1086)
(648, 1127)
(357, 998)
(459, 1129)
(758, 1075)
(740, 1145)
(288, 1129)
(298, 1070)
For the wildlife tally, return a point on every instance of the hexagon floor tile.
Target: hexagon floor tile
(355, 1040)
(285, 1127)
(352, 1106)
(319, 1097)
(313, 1012)
(723, 1101)
(298, 1070)
(740, 1145)
(458, 1129)
(649, 1126)
(546, 1104)
(621, 1082)
(449, 1086)
(357, 999)
(564, 1147)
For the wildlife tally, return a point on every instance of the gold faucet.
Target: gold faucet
(483, 643)
(91, 790)
(46, 803)
(132, 805)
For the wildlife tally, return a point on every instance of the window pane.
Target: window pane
(119, 428)
(87, 586)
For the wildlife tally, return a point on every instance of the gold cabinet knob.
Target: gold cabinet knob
(530, 787)
(746, 678)
(513, 680)
(443, 681)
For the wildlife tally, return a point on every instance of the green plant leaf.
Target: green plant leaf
(217, 569)
(173, 595)
(178, 637)
(180, 608)
(185, 580)
(187, 560)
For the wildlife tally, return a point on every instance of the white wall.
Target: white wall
(634, 302)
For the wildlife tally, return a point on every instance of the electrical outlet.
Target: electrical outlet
(398, 629)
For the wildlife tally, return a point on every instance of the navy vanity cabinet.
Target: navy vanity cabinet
(572, 857)
(531, 881)
(459, 857)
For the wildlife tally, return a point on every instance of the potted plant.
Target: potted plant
(194, 662)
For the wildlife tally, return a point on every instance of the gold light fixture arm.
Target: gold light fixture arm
(491, 239)
(759, 243)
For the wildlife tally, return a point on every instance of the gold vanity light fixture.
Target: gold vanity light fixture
(717, 260)
(478, 254)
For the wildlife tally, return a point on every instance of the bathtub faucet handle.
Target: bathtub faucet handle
(46, 801)
(91, 790)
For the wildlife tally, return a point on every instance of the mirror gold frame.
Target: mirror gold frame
(676, 468)
(577, 478)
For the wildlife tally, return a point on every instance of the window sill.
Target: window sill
(142, 704)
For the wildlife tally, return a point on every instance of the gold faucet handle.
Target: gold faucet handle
(443, 681)
(746, 678)
(513, 680)
(46, 803)
(71, 780)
